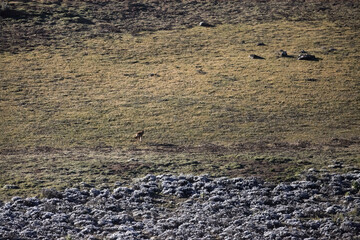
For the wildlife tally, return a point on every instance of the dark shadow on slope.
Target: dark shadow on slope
(14, 14)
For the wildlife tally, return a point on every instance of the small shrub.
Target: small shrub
(355, 186)
(68, 237)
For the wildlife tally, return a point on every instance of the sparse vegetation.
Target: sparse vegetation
(77, 84)
(355, 186)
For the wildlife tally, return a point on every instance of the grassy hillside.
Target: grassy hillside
(70, 108)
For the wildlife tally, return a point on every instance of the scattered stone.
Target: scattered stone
(260, 44)
(205, 24)
(306, 56)
(200, 71)
(283, 53)
(253, 56)
(133, 160)
(332, 209)
(86, 185)
(10, 186)
(118, 184)
(336, 165)
(329, 50)
(154, 75)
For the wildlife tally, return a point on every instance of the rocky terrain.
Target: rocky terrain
(321, 206)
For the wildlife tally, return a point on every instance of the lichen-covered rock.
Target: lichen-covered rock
(324, 205)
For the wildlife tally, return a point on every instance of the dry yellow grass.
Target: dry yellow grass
(185, 87)
(195, 90)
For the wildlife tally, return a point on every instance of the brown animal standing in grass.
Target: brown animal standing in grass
(139, 135)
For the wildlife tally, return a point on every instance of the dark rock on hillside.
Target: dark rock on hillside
(205, 24)
(306, 56)
(253, 56)
(10, 186)
(283, 53)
